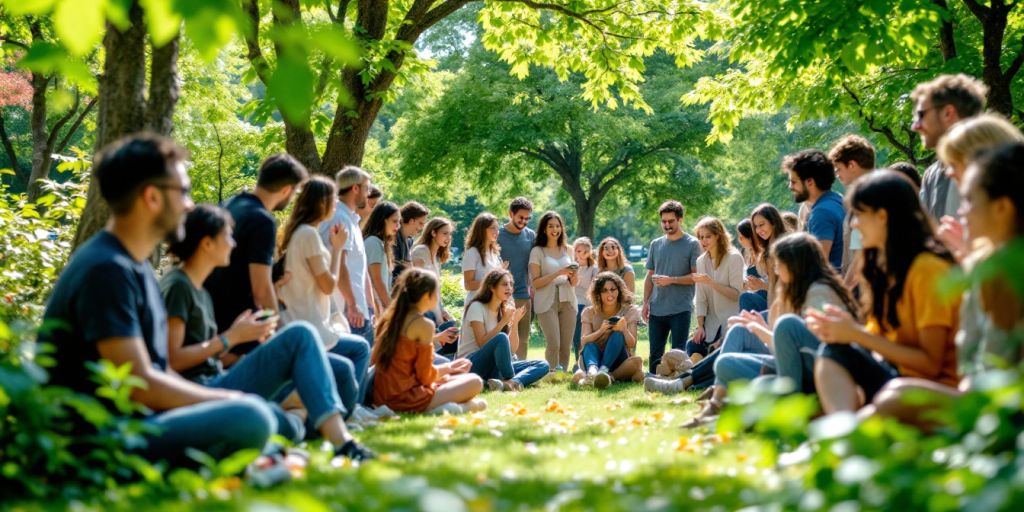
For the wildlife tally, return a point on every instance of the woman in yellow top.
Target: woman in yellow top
(909, 324)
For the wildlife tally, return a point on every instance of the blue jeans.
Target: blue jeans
(613, 355)
(796, 348)
(660, 326)
(741, 352)
(357, 350)
(494, 361)
(449, 350)
(692, 347)
(217, 428)
(578, 333)
(754, 301)
(293, 356)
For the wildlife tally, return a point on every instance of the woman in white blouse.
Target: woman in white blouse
(432, 251)
(553, 277)
(482, 253)
(719, 279)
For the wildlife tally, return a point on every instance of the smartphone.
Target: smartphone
(264, 314)
(574, 266)
(614, 320)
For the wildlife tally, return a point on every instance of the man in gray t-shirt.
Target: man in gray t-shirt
(669, 286)
(516, 240)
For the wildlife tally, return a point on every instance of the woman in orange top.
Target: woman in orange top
(909, 324)
(406, 377)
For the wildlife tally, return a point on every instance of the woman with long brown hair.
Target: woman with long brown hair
(431, 251)
(768, 227)
(612, 258)
(406, 378)
(489, 338)
(379, 235)
(719, 279)
(609, 335)
(553, 276)
(482, 253)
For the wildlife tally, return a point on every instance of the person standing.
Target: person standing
(669, 285)
(553, 276)
(246, 283)
(583, 251)
(414, 217)
(811, 176)
(516, 241)
(852, 157)
(939, 104)
(354, 296)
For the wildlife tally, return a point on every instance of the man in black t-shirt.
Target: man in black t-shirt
(107, 305)
(246, 283)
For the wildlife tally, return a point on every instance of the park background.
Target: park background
(597, 109)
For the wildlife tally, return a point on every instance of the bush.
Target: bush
(35, 241)
(452, 295)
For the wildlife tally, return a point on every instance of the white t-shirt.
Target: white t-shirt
(477, 312)
(355, 255)
(558, 290)
(585, 277)
(421, 258)
(471, 261)
(305, 258)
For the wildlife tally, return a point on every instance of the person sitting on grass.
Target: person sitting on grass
(406, 378)
(489, 337)
(107, 305)
(910, 329)
(993, 313)
(315, 271)
(807, 281)
(609, 334)
(768, 227)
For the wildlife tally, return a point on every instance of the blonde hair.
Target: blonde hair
(723, 239)
(602, 263)
(585, 242)
(974, 134)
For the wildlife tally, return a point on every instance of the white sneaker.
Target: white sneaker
(363, 417)
(667, 386)
(451, 408)
(602, 380)
(382, 412)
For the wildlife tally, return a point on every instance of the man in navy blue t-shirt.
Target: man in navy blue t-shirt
(107, 305)
(811, 175)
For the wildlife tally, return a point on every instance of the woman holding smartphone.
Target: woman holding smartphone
(553, 274)
(609, 334)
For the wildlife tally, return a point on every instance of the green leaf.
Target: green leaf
(23, 7)
(163, 23)
(291, 86)
(79, 24)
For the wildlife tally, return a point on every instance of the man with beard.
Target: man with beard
(246, 283)
(353, 279)
(811, 175)
(516, 241)
(669, 286)
(107, 305)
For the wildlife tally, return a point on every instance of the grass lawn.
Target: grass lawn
(551, 447)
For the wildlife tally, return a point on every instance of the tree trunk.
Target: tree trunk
(301, 143)
(164, 88)
(947, 43)
(586, 213)
(999, 97)
(41, 158)
(122, 107)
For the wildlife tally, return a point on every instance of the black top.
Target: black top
(255, 235)
(102, 293)
(195, 309)
(403, 256)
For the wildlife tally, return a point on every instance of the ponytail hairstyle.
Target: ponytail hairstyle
(802, 255)
(311, 206)
(909, 234)
(486, 294)
(746, 230)
(413, 283)
(585, 242)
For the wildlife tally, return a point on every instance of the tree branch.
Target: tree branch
(883, 130)
(75, 125)
(252, 41)
(55, 131)
(1016, 64)
(9, 147)
(980, 11)
(14, 42)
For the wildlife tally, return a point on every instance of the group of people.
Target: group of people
(337, 319)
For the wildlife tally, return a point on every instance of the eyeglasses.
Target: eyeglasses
(919, 114)
(184, 189)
